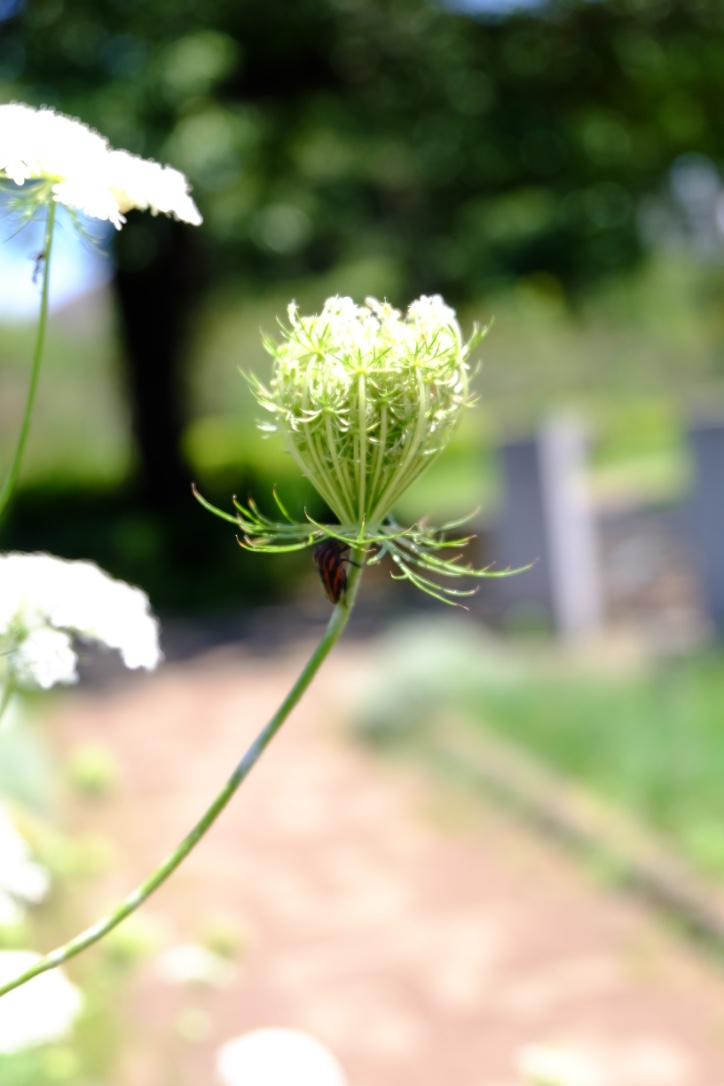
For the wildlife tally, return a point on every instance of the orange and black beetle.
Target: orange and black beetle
(329, 557)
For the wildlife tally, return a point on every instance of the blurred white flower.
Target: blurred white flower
(189, 963)
(43, 1010)
(43, 658)
(545, 1065)
(147, 186)
(21, 880)
(277, 1057)
(44, 600)
(80, 169)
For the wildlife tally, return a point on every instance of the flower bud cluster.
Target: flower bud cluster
(366, 399)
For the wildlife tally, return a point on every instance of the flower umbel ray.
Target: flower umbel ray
(366, 399)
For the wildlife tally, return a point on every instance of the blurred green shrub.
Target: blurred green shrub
(649, 739)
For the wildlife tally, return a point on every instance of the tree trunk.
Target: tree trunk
(158, 284)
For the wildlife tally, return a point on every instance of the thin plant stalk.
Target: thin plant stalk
(12, 477)
(97, 931)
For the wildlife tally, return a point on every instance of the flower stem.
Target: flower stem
(97, 931)
(12, 477)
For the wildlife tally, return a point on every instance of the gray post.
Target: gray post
(704, 515)
(547, 518)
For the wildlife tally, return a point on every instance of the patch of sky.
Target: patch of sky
(8, 8)
(80, 263)
(493, 8)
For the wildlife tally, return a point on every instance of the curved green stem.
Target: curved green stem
(12, 477)
(98, 930)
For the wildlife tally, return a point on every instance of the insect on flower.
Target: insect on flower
(329, 558)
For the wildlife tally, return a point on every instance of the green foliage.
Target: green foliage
(428, 150)
(91, 770)
(80, 421)
(28, 786)
(186, 563)
(47, 1066)
(628, 360)
(652, 743)
(26, 771)
(474, 151)
(648, 740)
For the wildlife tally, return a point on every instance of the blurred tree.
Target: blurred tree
(467, 151)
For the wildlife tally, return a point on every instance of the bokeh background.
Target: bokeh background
(554, 168)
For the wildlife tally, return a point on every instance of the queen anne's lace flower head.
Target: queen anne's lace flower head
(366, 399)
(45, 601)
(73, 165)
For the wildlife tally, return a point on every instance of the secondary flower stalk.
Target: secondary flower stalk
(11, 478)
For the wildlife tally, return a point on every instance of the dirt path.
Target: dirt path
(423, 941)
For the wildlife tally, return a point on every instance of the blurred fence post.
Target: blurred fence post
(704, 515)
(547, 517)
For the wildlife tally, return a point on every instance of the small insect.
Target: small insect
(329, 557)
(38, 260)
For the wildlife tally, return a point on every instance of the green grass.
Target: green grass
(653, 743)
(81, 427)
(648, 740)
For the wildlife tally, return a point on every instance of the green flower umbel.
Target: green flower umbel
(365, 400)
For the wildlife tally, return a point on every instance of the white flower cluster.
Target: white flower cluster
(83, 172)
(278, 1057)
(22, 882)
(366, 398)
(360, 333)
(45, 600)
(43, 1010)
